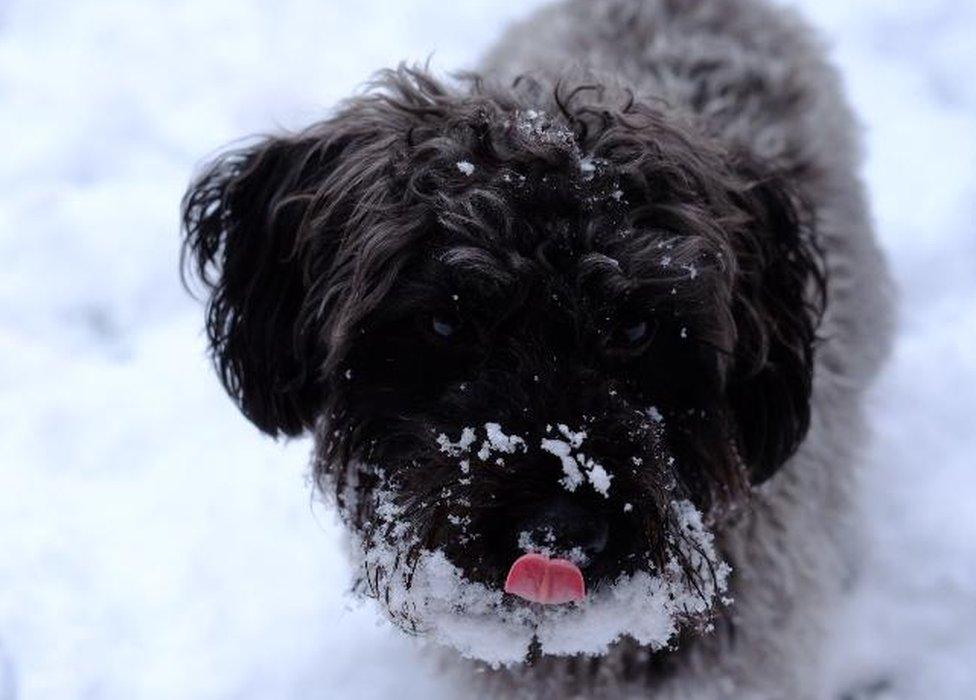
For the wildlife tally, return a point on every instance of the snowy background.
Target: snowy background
(154, 545)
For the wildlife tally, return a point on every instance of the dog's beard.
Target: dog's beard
(421, 588)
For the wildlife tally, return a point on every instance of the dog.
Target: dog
(582, 338)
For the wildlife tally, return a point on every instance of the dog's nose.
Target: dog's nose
(563, 525)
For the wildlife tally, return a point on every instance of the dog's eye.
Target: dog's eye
(636, 333)
(631, 336)
(442, 327)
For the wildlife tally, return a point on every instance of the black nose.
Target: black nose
(562, 525)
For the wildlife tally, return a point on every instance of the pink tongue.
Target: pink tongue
(539, 579)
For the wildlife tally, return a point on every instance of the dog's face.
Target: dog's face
(517, 322)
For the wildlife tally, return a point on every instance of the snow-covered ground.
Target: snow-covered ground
(153, 545)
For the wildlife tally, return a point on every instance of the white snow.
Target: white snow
(563, 450)
(154, 545)
(644, 606)
(483, 623)
(542, 541)
(537, 125)
(527, 541)
(502, 442)
(600, 479)
(468, 437)
(495, 441)
(577, 467)
(465, 167)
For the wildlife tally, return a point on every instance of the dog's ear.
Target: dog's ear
(242, 221)
(298, 238)
(778, 300)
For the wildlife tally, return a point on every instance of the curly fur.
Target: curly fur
(684, 163)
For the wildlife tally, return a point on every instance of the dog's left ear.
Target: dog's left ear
(778, 300)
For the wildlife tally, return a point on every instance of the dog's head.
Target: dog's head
(517, 320)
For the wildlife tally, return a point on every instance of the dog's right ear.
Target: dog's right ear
(242, 221)
(297, 238)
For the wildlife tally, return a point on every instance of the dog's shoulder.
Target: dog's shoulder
(754, 74)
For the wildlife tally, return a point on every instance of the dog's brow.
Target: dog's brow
(470, 260)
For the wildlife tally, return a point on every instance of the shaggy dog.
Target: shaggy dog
(582, 339)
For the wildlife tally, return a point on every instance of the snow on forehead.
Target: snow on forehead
(539, 125)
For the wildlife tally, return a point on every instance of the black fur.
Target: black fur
(327, 254)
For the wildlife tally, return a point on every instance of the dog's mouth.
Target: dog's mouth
(545, 602)
(506, 538)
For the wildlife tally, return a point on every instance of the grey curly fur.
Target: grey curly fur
(756, 77)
